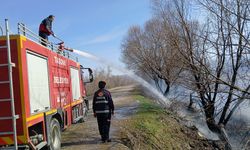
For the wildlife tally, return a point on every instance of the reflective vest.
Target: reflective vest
(101, 103)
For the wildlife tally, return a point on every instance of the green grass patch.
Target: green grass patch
(153, 128)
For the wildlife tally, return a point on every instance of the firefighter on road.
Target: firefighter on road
(103, 107)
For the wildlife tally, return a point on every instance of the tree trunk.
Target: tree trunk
(191, 102)
(215, 128)
(167, 88)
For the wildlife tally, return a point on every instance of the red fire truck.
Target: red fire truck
(42, 91)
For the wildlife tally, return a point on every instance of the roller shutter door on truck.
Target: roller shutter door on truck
(38, 79)
(75, 83)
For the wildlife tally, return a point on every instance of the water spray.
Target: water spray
(163, 100)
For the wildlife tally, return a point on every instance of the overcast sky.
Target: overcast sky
(95, 26)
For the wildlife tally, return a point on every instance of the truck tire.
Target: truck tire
(55, 135)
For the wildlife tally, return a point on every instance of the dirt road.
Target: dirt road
(86, 136)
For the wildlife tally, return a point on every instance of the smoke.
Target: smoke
(163, 100)
(197, 119)
(192, 118)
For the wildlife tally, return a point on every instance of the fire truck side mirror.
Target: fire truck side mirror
(90, 77)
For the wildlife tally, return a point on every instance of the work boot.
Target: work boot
(103, 141)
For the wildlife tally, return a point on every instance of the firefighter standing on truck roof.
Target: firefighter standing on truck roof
(45, 29)
(103, 107)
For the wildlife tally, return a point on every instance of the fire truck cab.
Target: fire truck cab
(42, 91)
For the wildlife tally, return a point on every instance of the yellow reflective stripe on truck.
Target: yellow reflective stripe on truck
(41, 114)
(22, 139)
(76, 102)
(73, 103)
(51, 112)
(8, 140)
(20, 40)
(34, 117)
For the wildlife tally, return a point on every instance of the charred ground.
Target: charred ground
(138, 123)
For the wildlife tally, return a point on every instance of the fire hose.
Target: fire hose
(61, 45)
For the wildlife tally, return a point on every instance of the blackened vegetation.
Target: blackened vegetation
(209, 57)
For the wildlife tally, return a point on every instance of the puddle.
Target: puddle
(125, 112)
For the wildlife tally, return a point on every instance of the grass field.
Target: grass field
(155, 128)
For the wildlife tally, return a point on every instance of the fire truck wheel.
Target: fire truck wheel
(55, 135)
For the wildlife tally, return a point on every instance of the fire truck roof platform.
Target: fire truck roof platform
(23, 30)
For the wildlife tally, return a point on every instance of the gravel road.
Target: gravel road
(86, 136)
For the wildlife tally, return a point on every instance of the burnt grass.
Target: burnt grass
(153, 127)
(139, 123)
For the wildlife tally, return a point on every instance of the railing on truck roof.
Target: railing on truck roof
(23, 30)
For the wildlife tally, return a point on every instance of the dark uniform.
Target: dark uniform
(45, 29)
(103, 107)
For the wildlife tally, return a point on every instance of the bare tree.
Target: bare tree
(210, 59)
(148, 52)
(215, 55)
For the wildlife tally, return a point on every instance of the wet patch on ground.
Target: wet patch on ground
(86, 135)
(125, 112)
